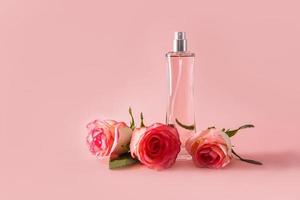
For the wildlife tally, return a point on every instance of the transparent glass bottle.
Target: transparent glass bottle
(180, 110)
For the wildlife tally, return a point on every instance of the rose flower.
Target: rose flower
(108, 138)
(156, 146)
(210, 148)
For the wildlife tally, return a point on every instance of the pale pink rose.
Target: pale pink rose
(210, 148)
(156, 146)
(108, 138)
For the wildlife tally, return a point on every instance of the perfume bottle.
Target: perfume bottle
(180, 110)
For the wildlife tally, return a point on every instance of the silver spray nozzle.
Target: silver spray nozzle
(179, 42)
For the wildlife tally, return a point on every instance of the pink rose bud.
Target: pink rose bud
(156, 146)
(210, 148)
(108, 138)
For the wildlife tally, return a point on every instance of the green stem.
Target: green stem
(211, 127)
(246, 160)
(188, 127)
(132, 123)
(142, 120)
(231, 133)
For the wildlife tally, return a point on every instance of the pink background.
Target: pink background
(64, 63)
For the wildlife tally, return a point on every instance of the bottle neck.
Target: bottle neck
(179, 46)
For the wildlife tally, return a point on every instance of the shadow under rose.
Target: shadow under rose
(270, 160)
(183, 164)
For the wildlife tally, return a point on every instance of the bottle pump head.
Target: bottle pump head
(179, 42)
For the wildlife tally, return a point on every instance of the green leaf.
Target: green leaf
(122, 161)
(231, 133)
(188, 127)
(255, 162)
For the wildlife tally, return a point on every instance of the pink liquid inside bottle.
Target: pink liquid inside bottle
(180, 110)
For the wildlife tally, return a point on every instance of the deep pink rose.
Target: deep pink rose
(108, 137)
(156, 146)
(210, 148)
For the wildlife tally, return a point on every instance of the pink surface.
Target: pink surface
(64, 63)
